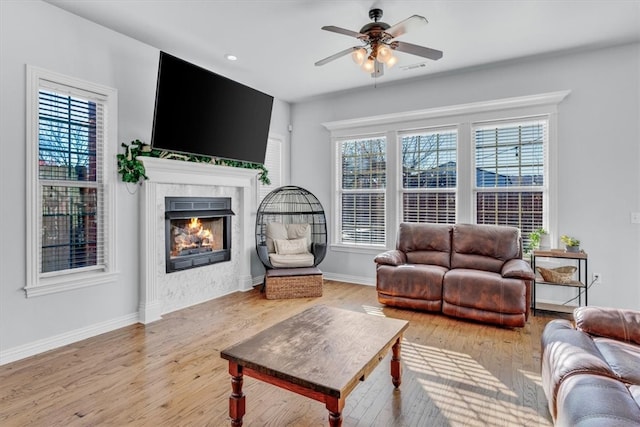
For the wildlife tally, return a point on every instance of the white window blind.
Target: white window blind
(429, 176)
(510, 186)
(362, 184)
(69, 205)
(273, 164)
(70, 158)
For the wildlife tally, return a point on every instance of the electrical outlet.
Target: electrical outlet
(635, 217)
(597, 278)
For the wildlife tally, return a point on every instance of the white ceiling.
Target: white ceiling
(278, 41)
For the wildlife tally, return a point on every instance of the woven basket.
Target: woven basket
(558, 274)
(293, 286)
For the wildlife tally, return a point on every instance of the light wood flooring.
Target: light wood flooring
(169, 373)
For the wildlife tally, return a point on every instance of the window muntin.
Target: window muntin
(363, 177)
(429, 176)
(510, 174)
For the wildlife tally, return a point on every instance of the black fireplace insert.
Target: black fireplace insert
(197, 231)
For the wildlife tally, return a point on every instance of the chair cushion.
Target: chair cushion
(288, 261)
(300, 231)
(291, 247)
(275, 230)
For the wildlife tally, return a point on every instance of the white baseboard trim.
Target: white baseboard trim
(359, 280)
(46, 344)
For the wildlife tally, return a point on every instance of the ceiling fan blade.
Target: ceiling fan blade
(336, 56)
(414, 49)
(346, 32)
(403, 26)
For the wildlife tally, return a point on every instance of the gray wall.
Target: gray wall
(598, 151)
(36, 33)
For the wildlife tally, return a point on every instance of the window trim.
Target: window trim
(338, 191)
(462, 116)
(38, 283)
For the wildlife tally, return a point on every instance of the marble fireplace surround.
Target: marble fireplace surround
(162, 292)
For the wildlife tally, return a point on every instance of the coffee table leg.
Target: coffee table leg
(396, 369)
(236, 400)
(335, 407)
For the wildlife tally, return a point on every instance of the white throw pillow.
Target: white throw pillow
(290, 247)
(300, 231)
(275, 230)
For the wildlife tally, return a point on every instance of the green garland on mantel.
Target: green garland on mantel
(132, 169)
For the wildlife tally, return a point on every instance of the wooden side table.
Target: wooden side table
(579, 258)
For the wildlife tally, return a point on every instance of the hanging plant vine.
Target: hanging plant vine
(132, 169)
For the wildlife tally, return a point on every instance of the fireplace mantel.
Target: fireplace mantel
(176, 172)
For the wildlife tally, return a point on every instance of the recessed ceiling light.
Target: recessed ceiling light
(231, 57)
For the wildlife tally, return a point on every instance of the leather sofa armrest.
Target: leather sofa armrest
(263, 254)
(565, 352)
(616, 323)
(392, 257)
(518, 269)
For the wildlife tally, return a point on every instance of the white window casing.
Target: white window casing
(76, 181)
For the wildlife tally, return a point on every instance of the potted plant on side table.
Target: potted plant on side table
(571, 243)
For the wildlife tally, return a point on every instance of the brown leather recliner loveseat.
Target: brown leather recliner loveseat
(468, 271)
(591, 372)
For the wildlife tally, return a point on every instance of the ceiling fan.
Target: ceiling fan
(378, 43)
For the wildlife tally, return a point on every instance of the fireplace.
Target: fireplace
(197, 231)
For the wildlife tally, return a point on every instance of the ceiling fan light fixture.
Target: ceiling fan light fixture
(379, 43)
(359, 55)
(368, 65)
(393, 60)
(383, 53)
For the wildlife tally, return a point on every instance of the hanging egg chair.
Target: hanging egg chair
(291, 229)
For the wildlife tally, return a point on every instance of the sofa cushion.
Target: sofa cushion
(484, 290)
(411, 281)
(595, 401)
(621, 324)
(484, 247)
(622, 357)
(425, 243)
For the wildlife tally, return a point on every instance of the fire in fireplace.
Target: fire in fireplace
(198, 231)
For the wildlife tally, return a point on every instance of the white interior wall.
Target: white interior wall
(36, 33)
(598, 151)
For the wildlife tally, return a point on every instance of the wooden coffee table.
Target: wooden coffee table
(321, 353)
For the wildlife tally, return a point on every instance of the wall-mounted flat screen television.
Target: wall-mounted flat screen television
(200, 112)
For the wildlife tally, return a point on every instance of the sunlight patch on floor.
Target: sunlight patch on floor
(374, 311)
(465, 391)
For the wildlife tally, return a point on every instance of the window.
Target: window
(509, 174)
(429, 176)
(69, 205)
(363, 179)
(488, 162)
